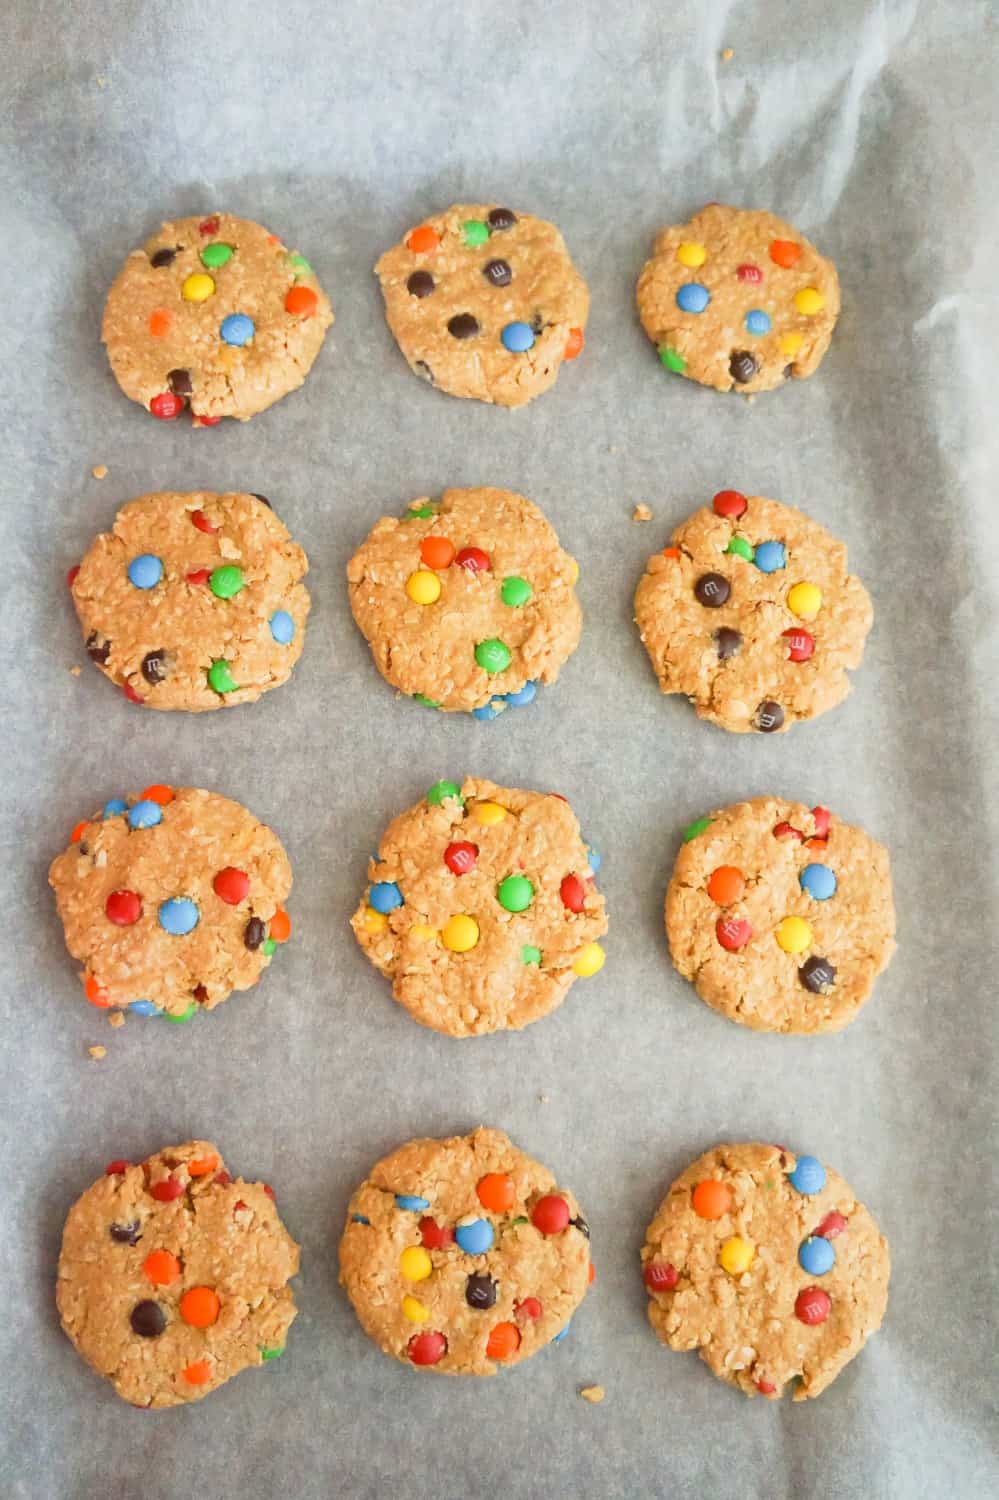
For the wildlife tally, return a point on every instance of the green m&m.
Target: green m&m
(493, 655)
(475, 232)
(515, 893)
(226, 582)
(216, 255)
(441, 791)
(220, 678)
(515, 592)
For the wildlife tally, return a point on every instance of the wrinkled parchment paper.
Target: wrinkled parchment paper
(872, 127)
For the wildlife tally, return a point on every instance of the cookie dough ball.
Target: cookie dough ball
(467, 602)
(171, 900)
(215, 315)
(751, 613)
(484, 302)
(193, 600)
(781, 916)
(173, 1276)
(462, 1255)
(482, 907)
(738, 300)
(766, 1264)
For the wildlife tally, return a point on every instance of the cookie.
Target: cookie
(738, 300)
(766, 1264)
(214, 315)
(171, 900)
(485, 303)
(193, 600)
(782, 918)
(750, 612)
(482, 907)
(462, 1255)
(467, 602)
(173, 1276)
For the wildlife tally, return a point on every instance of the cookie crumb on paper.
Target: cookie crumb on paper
(74, 671)
(594, 1394)
(97, 1053)
(116, 1019)
(100, 471)
(641, 513)
(727, 54)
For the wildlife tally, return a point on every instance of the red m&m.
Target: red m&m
(551, 1214)
(832, 1225)
(473, 559)
(427, 1348)
(460, 857)
(729, 503)
(573, 893)
(733, 933)
(123, 908)
(167, 1189)
(812, 1305)
(231, 885)
(800, 644)
(166, 406)
(660, 1276)
(435, 1236)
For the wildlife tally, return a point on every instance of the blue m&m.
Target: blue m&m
(282, 627)
(517, 337)
(237, 329)
(145, 571)
(385, 896)
(819, 881)
(816, 1255)
(770, 556)
(594, 859)
(411, 1201)
(562, 1333)
(114, 808)
(145, 814)
(474, 1236)
(488, 711)
(692, 297)
(144, 1007)
(809, 1175)
(178, 916)
(757, 321)
(526, 694)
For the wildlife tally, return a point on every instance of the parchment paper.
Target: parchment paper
(872, 127)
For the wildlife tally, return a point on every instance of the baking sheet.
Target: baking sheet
(872, 127)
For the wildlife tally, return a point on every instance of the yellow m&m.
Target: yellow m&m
(488, 813)
(460, 933)
(423, 587)
(690, 253)
(589, 960)
(423, 933)
(197, 287)
(414, 1310)
(809, 301)
(736, 1255)
(374, 921)
(790, 343)
(794, 935)
(804, 600)
(415, 1264)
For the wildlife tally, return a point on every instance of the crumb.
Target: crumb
(97, 1053)
(594, 1394)
(612, 448)
(544, 1099)
(641, 513)
(100, 471)
(727, 55)
(74, 671)
(116, 1019)
(102, 83)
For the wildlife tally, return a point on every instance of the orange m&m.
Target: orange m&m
(202, 1166)
(199, 1307)
(785, 253)
(711, 1199)
(199, 1373)
(574, 344)
(158, 793)
(280, 926)
(424, 240)
(301, 301)
(78, 832)
(503, 1341)
(96, 993)
(726, 885)
(496, 1192)
(161, 1268)
(436, 552)
(159, 322)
